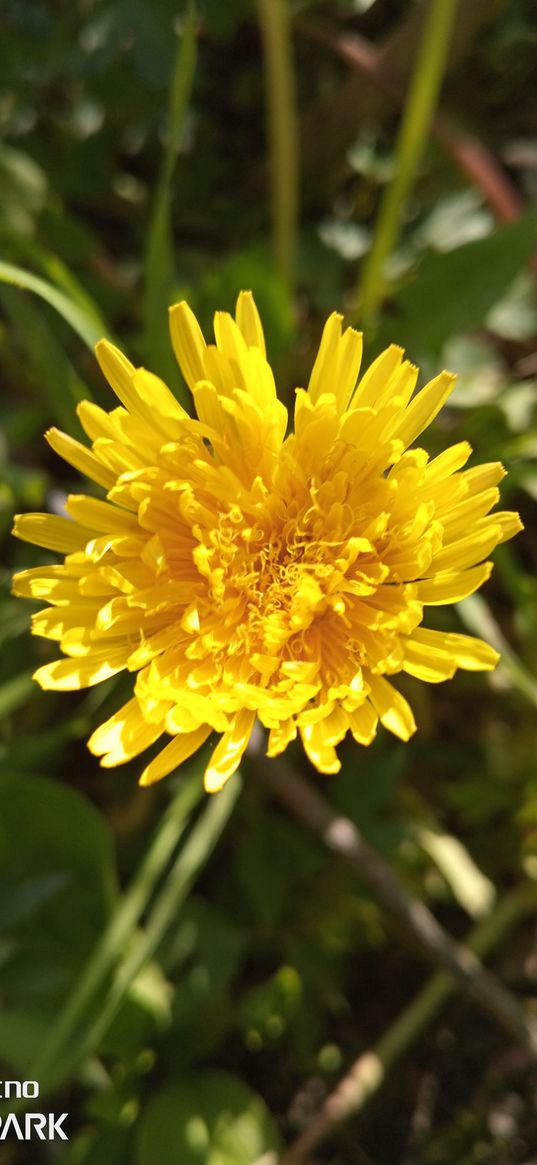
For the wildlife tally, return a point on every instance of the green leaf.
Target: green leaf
(20, 1035)
(24, 189)
(52, 374)
(213, 1119)
(86, 323)
(454, 292)
(57, 855)
(15, 692)
(267, 1009)
(474, 892)
(479, 619)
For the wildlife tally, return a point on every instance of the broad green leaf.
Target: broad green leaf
(57, 854)
(213, 1119)
(87, 324)
(454, 292)
(20, 1035)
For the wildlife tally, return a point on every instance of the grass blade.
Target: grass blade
(87, 324)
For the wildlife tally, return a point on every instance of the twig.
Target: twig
(343, 838)
(369, 1071)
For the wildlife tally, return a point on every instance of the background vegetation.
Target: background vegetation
(244, 967)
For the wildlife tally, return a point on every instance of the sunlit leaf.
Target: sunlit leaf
(213, 1118)
(86, 324)
(454, 292)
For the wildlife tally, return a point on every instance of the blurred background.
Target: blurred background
(150, 153)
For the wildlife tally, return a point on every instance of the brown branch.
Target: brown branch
(343, 838)
(470, 154)
(369, 1071)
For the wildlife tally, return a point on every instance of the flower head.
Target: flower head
(240, 573)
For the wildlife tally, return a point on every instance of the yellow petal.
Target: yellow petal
(101, 516)
(337, 364)
(68, 675)
(39, 581)
(123, 736)
(363, 723)
(51, 532)
(174, 754)
(458, 519)
(230, 341)
(429, 662)
(81, 458)
(452, 587)
(322, 379)
(349, 361)
(468, 550)
(373, 383)
(118, 371)
(393, 710)
(280, 737)
(424, 408)
(466, 651)
(321, 754)
(228, 753)
(54, 622)
(247, 317)
(448, 462)
(188, 343)
(142, 393)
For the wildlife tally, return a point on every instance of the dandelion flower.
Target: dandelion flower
(242, 573)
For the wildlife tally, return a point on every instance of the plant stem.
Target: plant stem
(343, 838)
(190, 860)
(120, 928)
(471, 155)
(369, 1071)
(158, 259)
(415, 126)
(282, 121)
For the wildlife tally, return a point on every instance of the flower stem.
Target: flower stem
(415, 126)
(159, 254)
(282, 119)
(190, 860)
(120, 928)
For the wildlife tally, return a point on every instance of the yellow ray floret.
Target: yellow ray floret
(246, 574)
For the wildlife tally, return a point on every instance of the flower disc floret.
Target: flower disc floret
(241, 573)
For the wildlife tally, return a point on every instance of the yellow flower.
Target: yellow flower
(243, 573)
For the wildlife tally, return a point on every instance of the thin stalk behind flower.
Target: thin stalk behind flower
(417, 119)
(282, 124)
(158, 262)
